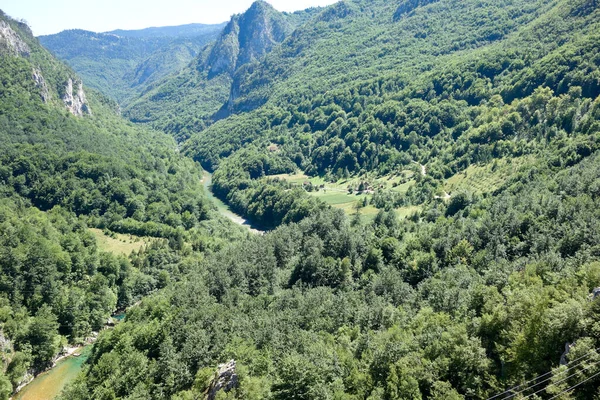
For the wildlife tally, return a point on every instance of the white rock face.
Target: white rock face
(76, 102)
(10, 40)
(40, 82)
(225, 379)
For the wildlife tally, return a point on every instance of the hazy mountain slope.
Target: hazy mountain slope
(112, 63)
(179, 31)
(165, 61)
(186, 103)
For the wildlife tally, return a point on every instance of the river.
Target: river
(224, 208)
(48, 385)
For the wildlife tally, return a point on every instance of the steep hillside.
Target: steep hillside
(122, 63)
(69, 162)
(190, 101)
(457, 144)
(367, 58)
(445, 86)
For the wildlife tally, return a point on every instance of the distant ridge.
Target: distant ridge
(121, 63)
(186, 30)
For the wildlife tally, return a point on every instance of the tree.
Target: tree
(6, 388)
(43, 337)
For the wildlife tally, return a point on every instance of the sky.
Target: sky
(52, 16)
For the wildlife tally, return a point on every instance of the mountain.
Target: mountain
(188, 101)
(121, 63)
(426, 173)
(179, 31)
(70, 163)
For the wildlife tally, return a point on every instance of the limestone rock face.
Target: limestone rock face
(246, 38)
(40, 82)
(10, 40)
(565, 354)
(223, 57)
(225, 379)
(75, 101)
(261, 29)
(5, 344)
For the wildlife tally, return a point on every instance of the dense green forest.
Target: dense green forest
(427, 173)
(69, 163)
(459, 304)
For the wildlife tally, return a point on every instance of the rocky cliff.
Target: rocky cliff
(10, 41)
(40, 83)
(74, 98)
(246, 38)
(225, 380)
(53, 81)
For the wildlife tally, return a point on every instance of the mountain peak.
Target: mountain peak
(247, 37)
(261, 4)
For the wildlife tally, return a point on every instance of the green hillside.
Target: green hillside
(474, 97)
(69, 163)
(427, 173)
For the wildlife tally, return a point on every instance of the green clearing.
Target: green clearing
(119, 244)
(405, 212)
(486, 178)
(397, 182)
(334, 197)
(336, 193)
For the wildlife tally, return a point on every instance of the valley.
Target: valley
(223, 208)
(368, 200)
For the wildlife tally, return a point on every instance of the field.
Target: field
(121, 244)
(485, 178)
(476, 178)
(336, 193)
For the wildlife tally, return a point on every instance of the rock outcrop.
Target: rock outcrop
(10, 41)
(5, 346)
(40, 82)
(246, 38)
(225, 379)
(75, 101)
(223, 57)
(565, 354)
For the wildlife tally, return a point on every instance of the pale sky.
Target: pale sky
(52, 16)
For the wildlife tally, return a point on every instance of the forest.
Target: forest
(426, 174)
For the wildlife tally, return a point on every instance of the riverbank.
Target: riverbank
(49, 384)
(224, 208)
